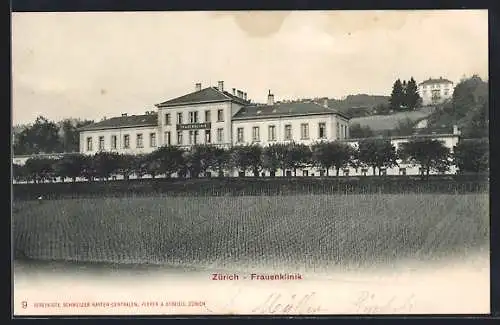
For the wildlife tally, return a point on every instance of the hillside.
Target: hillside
(389, 122)
(359, 105)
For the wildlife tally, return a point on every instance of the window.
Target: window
(220, 135)
(167, 119)
(179, 137)
(338, 131)
(255, 133)
(114, 141)
(126, 141)
(208, 138)
(193, 117)
(220, 115)
(152, 140)
(101, 143)
(207, 117)
(341, 131)
(193, 137)
(446, 92)
(89, 144)
(345, 131)
(179, 118)
(272, 133)
(322, 130)
(239, 135)
(167, 138)
(288, 132)
(139, 143)
(304, 131)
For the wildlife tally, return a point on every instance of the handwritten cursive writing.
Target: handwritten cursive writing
(369, 303)
(280, 304)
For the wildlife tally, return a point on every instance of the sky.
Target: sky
(91, 65)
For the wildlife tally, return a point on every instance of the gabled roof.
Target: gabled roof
(207, 95)
(123, 122)
(284, 109)
(431, 81)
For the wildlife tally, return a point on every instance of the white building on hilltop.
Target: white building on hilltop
(435, 91)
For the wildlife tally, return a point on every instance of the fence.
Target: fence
(256, 186)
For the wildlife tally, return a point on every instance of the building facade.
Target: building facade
(215, 116)
(435, 91)
(218, 117)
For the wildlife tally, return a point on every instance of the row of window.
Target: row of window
(288, 135)
(193, 117)
(194, 137)
(436, 86)
(126, 141)
(446, 92)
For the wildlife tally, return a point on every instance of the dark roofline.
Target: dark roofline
(435, 81)
(260, 117)
(228, 98)
(88, 128)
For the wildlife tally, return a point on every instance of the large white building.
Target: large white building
(215, 116)
(435, 91)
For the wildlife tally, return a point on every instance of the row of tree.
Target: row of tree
(44, 136)
(405, 96)
(377, 154)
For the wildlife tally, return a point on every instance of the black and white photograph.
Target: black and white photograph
(250, 163)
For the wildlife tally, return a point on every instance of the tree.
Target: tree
(247, 157)
(333, 154)
(377, 153)
(152, 164)
(298, 156)
(271, 158)
(200, 159)
(140, 165)
(19, 173)
(356, 131)
(430, 154)
(397, 96)
(107, 163)
(411, 95)
(41, 137)
(171, 160)
(40, 169)
(468, 94)
(70, 166)
(477, 126)
(472, 155)
(221, 160)
(69, 134)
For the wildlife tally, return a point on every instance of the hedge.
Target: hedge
(256, 186)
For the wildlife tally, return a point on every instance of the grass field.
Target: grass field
(310, 231)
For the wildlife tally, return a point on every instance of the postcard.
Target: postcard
(250, 163)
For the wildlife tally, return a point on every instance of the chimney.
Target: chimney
(221, 86)
(270, 99)
(245, 96)
(455, 130)
(198, 87)
(124, 114)
(240, 93)
(325, 102)
(234, 91)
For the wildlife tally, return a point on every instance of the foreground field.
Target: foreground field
(310, 231)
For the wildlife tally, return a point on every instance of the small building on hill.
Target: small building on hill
(435, 91)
